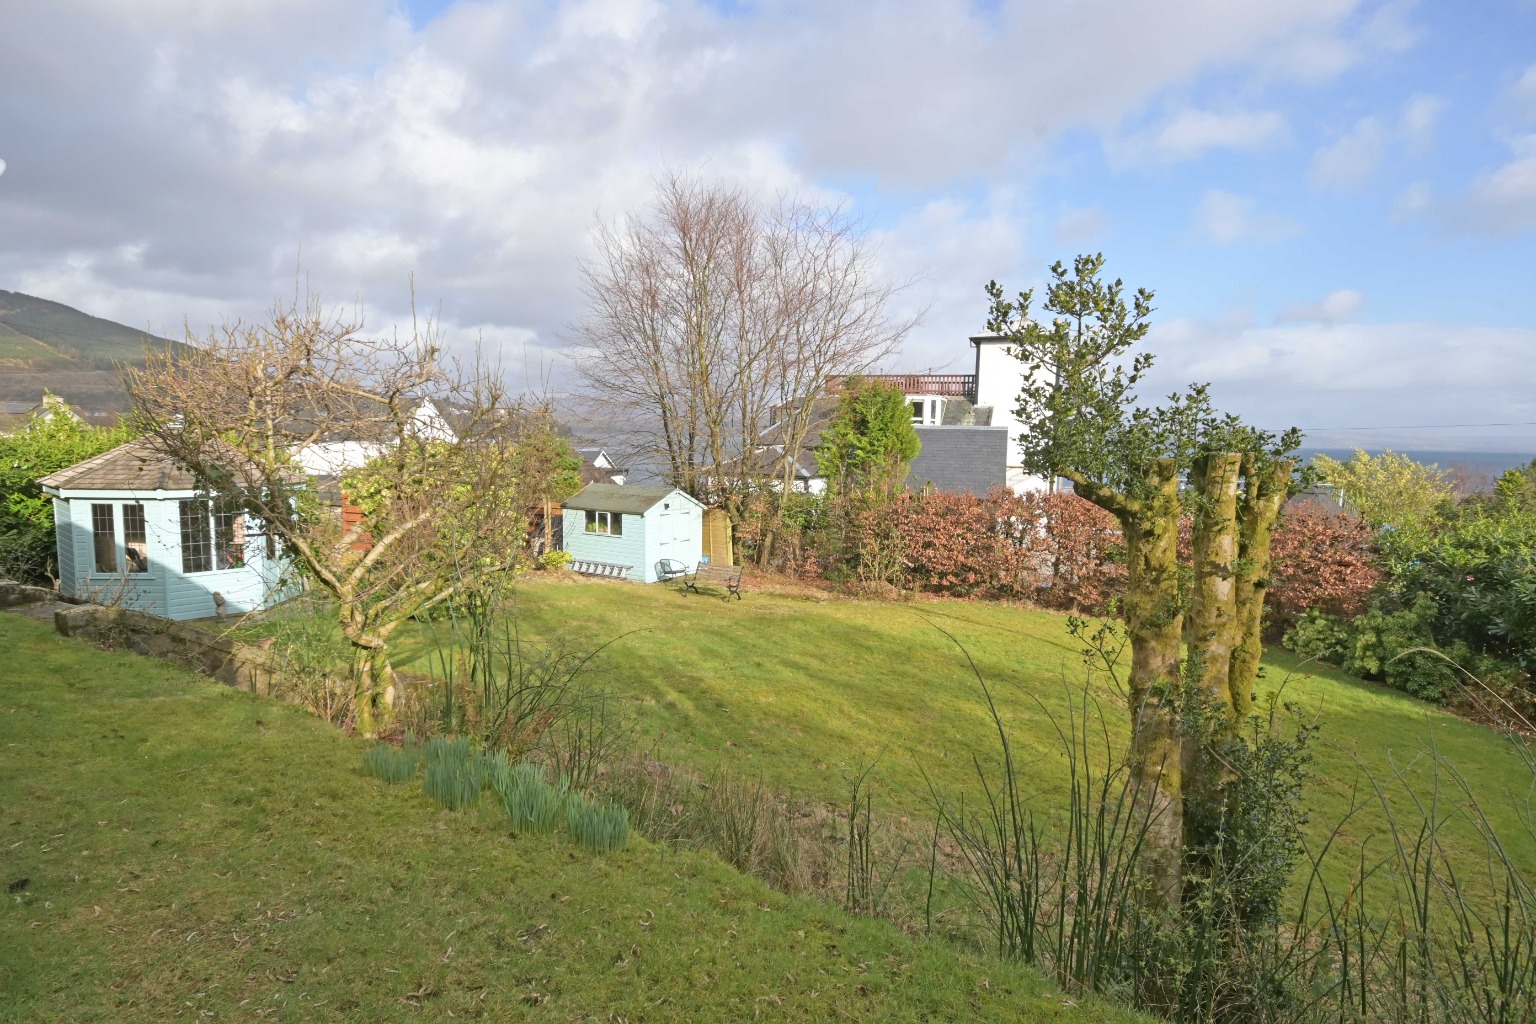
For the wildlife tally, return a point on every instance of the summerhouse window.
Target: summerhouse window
(229, 530)
(196, 537)
(135, 538)
(608, 523)
(104, 537)
(212, 537)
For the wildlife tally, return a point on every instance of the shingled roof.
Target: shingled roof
(135, 466)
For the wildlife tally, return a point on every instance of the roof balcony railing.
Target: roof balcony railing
(944, 385)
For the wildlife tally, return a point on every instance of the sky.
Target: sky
(1334, 200)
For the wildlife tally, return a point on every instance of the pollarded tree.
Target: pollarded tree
(1148, 466)
(444, 506)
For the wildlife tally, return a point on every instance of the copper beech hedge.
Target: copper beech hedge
(1055, 550)
(1060, 551)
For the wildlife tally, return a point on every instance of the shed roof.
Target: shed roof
(135, 466)
(140, 466)
(620, 498)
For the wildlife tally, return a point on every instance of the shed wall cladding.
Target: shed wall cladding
(65, 541)
(628, 549)
(165, 589)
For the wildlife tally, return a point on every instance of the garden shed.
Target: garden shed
(635, 527)
(134, 529)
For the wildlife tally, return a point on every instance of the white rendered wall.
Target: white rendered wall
(999, 378)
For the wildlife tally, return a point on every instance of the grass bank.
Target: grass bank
(800, 689)
(177, 850)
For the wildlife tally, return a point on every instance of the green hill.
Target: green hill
(46, 344)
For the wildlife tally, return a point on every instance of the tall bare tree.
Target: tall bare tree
(441, 510)
(714, 315)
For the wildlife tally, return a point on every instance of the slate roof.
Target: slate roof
(961, 459)
(135, 466)
(618, 498)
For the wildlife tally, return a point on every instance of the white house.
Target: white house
(334, 456)
(132, 528)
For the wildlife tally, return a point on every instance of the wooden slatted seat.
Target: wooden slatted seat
(727, 576)
(612, 570)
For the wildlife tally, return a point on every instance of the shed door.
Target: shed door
(671, 525)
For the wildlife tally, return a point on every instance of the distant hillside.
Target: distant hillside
(50, 345)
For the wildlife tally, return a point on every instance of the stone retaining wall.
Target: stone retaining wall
(228, 661)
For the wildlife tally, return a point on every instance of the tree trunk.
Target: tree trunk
(373, 679)
(1264, 495)
(1154, 622)
(373, 691)
(1210, 719)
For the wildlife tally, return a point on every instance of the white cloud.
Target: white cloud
(1523, 93)
(1421, 115)
(1502, 201)
(1192, 133)
(1391, 376)
(1411, 202)
(219, 140)
(1330, 309)
(1351, 161)
(1084, 224)
(1224, 218)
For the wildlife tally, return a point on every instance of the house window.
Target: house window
(104, 538)
(927, 411)
(135, 538)
(609, 523)
(229, 531)
(196, 536)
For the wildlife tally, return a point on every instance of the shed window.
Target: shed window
(609, 523)
(135, 538)
(104, 537)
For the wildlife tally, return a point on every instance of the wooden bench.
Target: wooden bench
(727, 576)
(612, 570)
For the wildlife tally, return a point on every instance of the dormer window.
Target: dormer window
(927, 410)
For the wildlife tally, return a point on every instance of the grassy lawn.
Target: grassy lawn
(177, 850)
(799, 690)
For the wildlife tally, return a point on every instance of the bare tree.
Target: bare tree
(715, 315)
(440, 510)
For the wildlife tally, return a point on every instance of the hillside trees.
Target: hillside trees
(442, 510)
(713, 315)
(1079, 406)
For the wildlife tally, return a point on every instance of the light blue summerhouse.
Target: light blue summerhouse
(134, 530)
(634, 527)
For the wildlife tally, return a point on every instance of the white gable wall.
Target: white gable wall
(999, 378)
